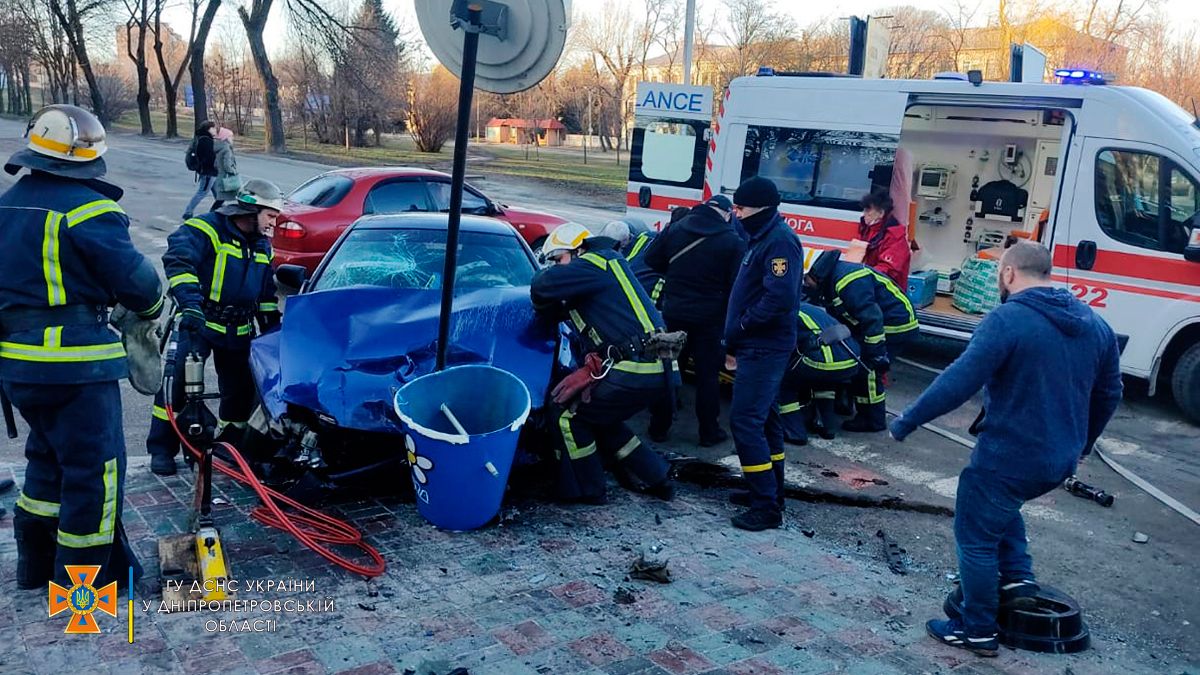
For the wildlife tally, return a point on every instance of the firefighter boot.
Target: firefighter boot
(35, 550)
(162, 464)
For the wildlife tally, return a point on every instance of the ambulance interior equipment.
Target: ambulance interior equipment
(1008, 160)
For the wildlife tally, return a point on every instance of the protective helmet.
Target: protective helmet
(565, 237)
(65, 140)
(617, 230)
(262, 194)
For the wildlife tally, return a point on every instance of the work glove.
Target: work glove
(880, 364)
(191, 320)
(580, 382)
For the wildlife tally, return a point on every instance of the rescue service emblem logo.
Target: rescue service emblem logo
(779, 266)
(83, 599)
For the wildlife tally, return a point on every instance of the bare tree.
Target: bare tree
(254, 19)
(117, 92)
(433, 109)
(918, 46)
(15, 61)
(755, 30)
(199, 47)
(71, 15)
(612, 39)
(47, 43)
(137, 23)
(171, 80)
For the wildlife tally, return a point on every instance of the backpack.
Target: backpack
(190, 159)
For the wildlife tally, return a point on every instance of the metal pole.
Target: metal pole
(458, 176)
(689, 37)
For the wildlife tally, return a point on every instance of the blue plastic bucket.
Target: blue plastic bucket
(460, 478)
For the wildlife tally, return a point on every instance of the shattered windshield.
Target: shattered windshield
(413, 259)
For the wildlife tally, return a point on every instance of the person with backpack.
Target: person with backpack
(201, 159)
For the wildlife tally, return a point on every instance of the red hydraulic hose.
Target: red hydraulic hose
(312, 528)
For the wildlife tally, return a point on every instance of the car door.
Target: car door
(1133, 213)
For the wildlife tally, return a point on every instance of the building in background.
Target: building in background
(547, 132)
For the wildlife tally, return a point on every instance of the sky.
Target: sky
(1182, 13)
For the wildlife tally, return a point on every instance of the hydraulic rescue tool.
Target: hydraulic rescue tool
(193, 564)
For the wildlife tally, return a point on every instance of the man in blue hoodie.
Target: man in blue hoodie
(760, 333)
(1051, 374)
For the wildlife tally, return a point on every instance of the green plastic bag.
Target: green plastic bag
(978, 289)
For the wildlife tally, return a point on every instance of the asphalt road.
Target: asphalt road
(1143, 593)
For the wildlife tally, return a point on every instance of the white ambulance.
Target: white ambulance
(1116, 168)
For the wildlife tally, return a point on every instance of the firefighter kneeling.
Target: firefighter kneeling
(624, 370)
(219, 270)
(826, 357)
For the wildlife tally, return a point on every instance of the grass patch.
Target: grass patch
(601, 177)
(561, 166)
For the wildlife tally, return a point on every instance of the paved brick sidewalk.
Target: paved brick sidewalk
(538, 594)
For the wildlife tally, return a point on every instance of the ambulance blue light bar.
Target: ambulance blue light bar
(1079, 76)
(765, 71)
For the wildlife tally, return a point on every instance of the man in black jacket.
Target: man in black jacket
(206, 165)
(700, 256)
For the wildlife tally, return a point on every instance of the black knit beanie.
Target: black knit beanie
(757, 191)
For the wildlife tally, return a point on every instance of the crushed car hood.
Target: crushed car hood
(343, 353)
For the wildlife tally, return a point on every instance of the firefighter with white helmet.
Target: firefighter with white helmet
(218, 268)
(67, 258)
(591, 285)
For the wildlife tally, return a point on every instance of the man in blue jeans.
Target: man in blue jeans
(205, 158)
(760, 333)
(1051, 374)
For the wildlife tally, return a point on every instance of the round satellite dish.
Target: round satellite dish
(534, 33)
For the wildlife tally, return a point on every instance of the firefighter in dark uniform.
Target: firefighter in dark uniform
(881, 318)
(634, 250)
(218, 267)
(760, 334)
(591, 284)
(66, 258)
(813, 376)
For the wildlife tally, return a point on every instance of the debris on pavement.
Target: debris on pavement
(624, 596)
(650, 570)
(1139, 538)
(537, 579)
(809, 533)
(894, 554)
(829, 473)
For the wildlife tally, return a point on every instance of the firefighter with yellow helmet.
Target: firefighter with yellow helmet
(591, 285)
(67, 258)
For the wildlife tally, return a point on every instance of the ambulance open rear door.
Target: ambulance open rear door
(669, 150)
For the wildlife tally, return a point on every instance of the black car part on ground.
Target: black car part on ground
(1054, 626)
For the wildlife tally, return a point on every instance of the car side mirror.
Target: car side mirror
(290, 278)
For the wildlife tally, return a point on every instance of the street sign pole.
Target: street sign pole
(472, 28)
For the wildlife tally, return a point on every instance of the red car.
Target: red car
(318, 211)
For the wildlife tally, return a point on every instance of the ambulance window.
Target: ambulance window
(833, 169)
(668, 151)
(1145, 200)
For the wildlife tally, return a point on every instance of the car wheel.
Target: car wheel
(1185, 383)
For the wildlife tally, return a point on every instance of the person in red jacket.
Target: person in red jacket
(887, 239)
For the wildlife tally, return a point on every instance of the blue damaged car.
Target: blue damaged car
(366, 322)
